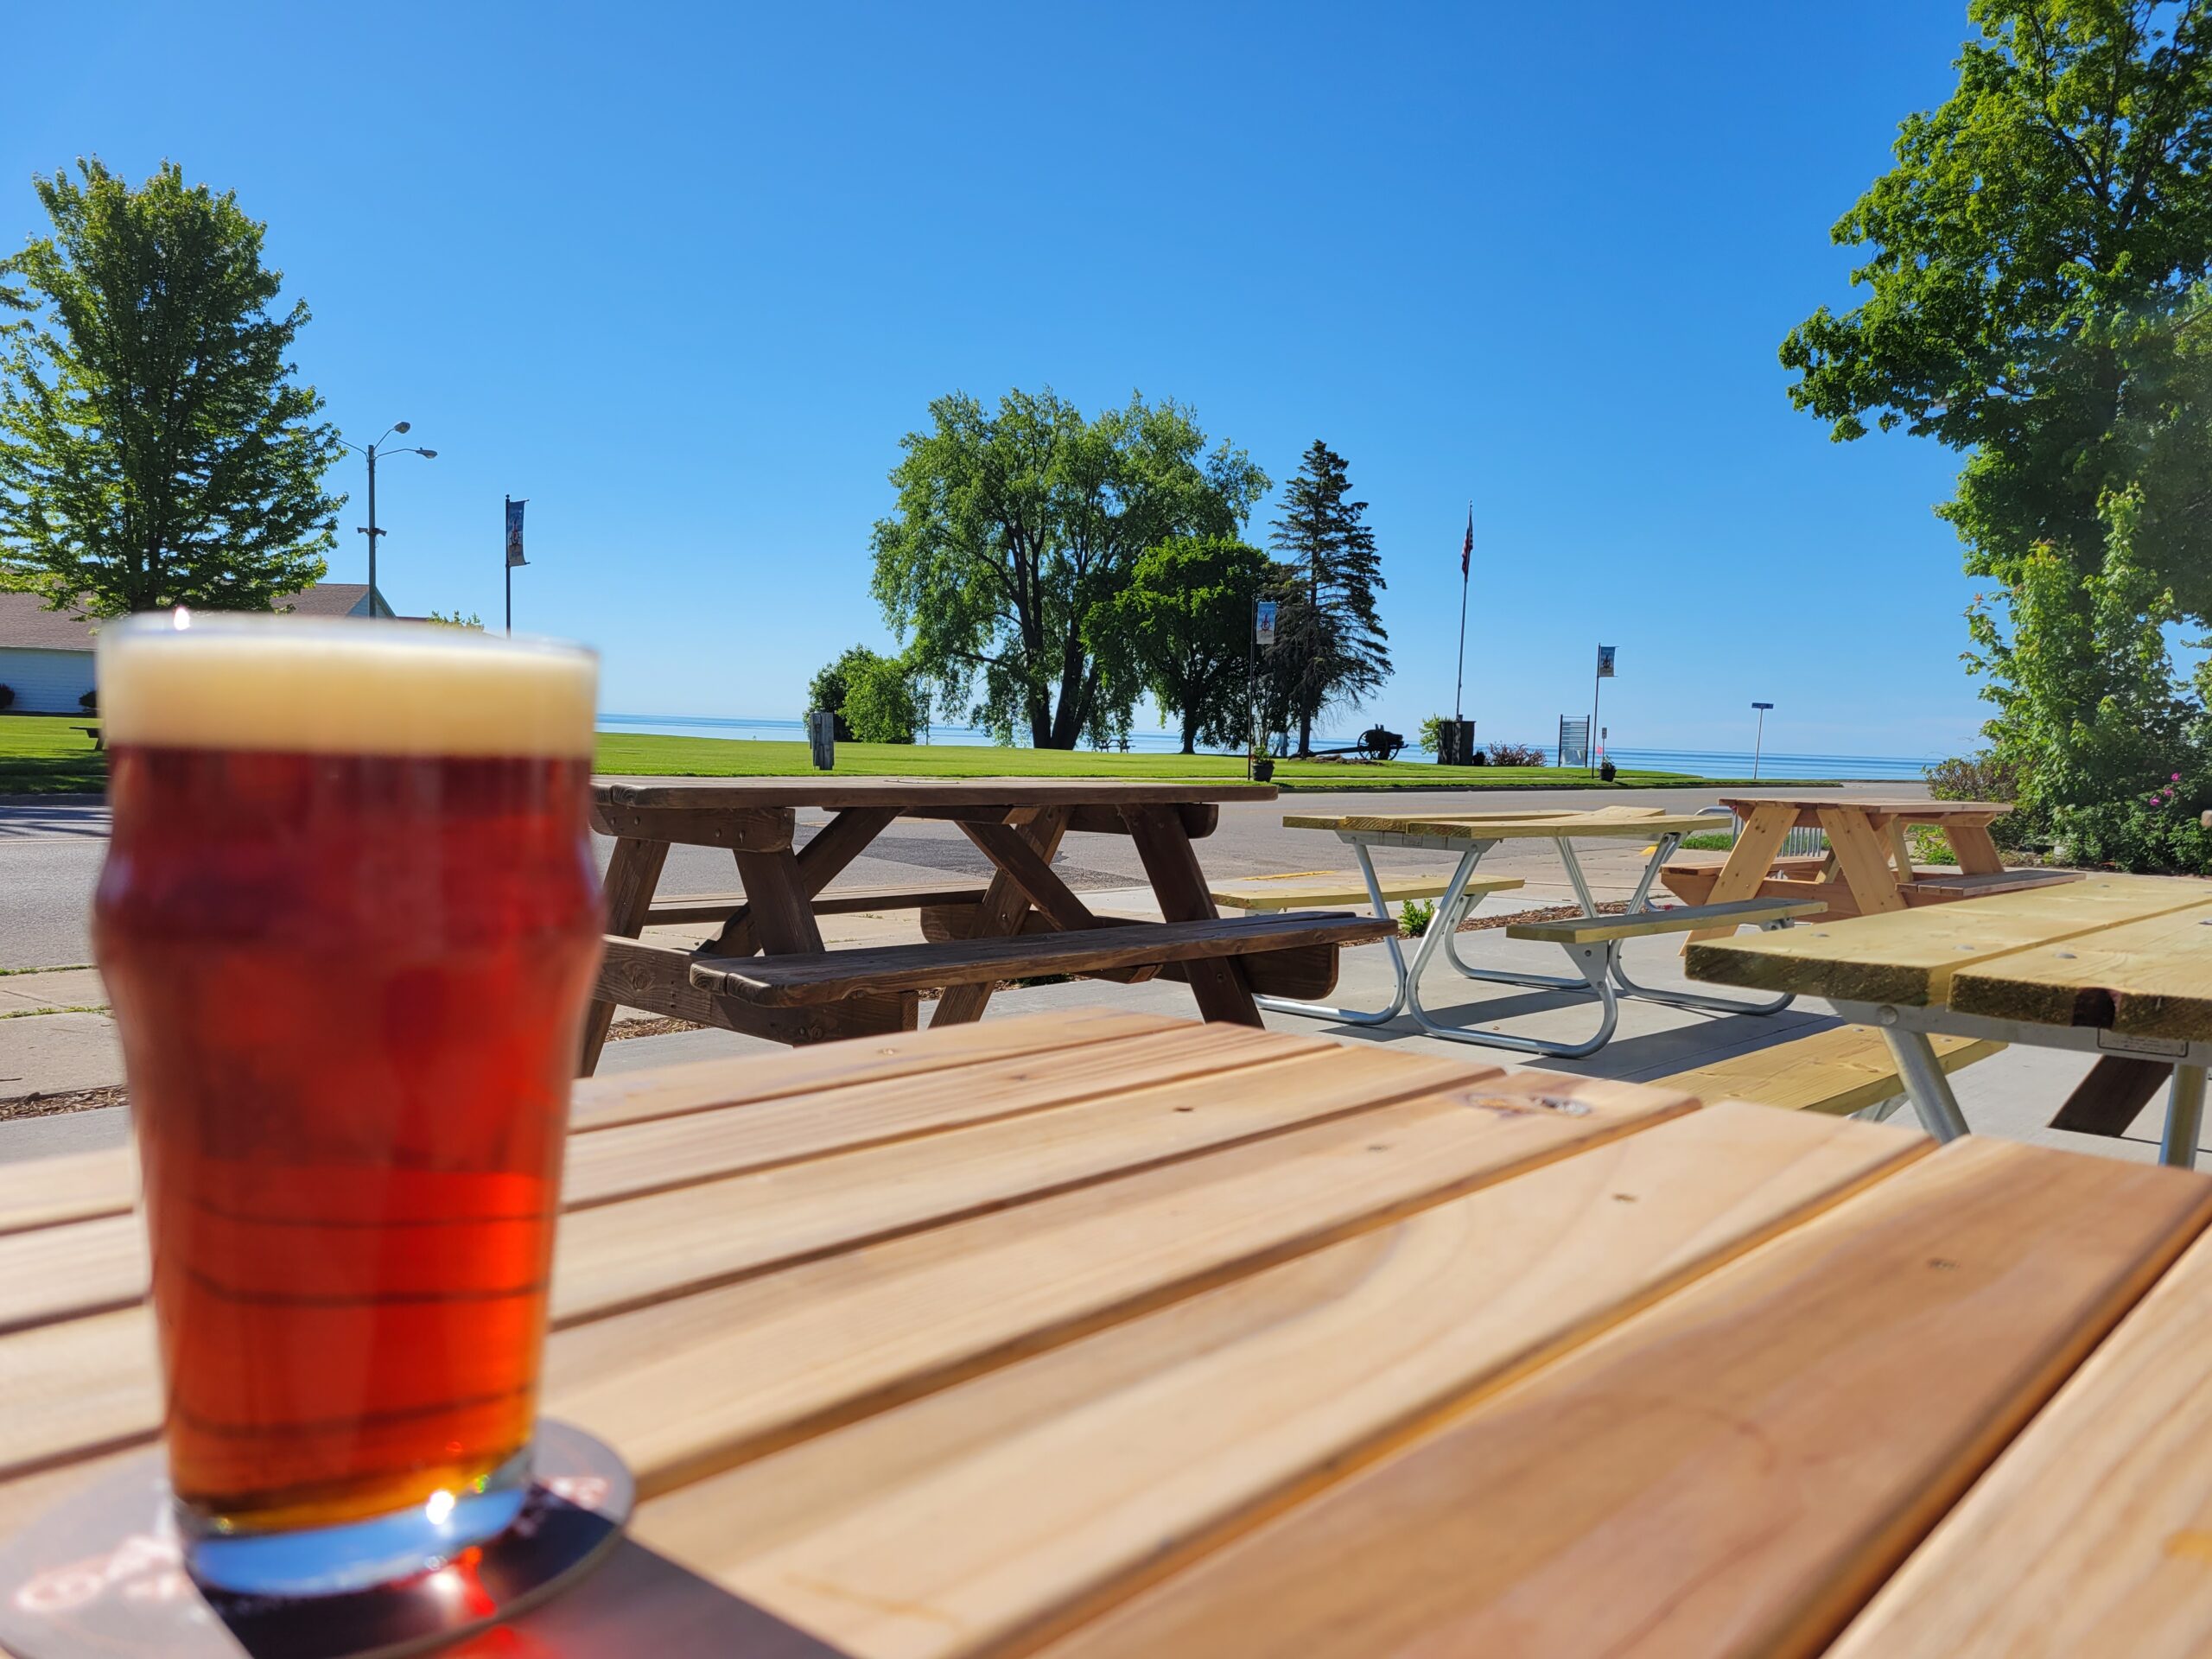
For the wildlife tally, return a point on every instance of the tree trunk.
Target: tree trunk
(1305, 737)
(1190, 731)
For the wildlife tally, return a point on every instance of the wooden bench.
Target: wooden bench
(1305, 888)
(813, 978)
(1846, 1070)
(848, 901)
(1690, 876)
(1608, 930)
(93, 732)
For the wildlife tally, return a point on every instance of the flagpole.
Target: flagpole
(1458, 685)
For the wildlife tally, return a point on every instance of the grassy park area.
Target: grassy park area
(42, 754)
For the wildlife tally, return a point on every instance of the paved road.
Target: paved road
(50, 857)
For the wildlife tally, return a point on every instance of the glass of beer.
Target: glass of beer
(349, 923)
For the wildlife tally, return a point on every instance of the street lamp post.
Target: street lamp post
(371, 531)
(1759, 741)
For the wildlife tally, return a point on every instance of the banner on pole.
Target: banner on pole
(1263, 622)
(514, 533)
(1605, 662)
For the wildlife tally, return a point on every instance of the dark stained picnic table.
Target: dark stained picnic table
(766, 972)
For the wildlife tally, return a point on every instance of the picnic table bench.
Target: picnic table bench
(1101, 1335)
(766, 972)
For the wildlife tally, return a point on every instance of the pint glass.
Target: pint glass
(348, 922)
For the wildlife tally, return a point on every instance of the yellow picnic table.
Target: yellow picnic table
(2118, 966)
(1103, 1335)
(1591, 942)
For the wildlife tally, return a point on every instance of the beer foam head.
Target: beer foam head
(291, 685)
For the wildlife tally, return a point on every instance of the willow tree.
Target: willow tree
(155, 447)
(1016, 531)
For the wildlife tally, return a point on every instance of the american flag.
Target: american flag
(1467, 547)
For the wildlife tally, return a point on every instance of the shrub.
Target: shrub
(1514, 754)
(89, 702)
(1414, 916)
(7, 696)
(1708, 841)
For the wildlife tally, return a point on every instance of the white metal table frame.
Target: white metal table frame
(1600, 972)
(1907, 1029)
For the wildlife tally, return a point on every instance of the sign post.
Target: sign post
(1263, 633)
(514, 553)
(1605, 673)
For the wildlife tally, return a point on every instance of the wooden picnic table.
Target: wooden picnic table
(1594, 949)
(1103, 1335)
(766, 971)
(2118, 966)
(1869, 869)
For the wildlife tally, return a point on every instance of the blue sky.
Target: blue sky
(683, 275)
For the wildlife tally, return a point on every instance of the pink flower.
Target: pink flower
(2176, 777)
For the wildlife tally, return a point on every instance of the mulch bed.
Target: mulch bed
(1552, 913)
(60, 1101)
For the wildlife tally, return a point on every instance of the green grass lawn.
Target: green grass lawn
(622, 752)
(47, 754)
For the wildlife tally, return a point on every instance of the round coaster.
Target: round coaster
(102, 1573)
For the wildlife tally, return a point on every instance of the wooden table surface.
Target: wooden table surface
(1100, 1335)
(827, 790)
(1610, 822)
(2130, 954)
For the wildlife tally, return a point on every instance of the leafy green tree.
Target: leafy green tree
(881, 705)
(828, 688)
(453, 618)
(1185, 622)
(1331, 650)
(1016, 528)
(2033, 273)
(154, 449)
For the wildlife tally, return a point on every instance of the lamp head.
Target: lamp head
(428, 454)
(399, 426)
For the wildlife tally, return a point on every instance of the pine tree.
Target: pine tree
(1330, 650)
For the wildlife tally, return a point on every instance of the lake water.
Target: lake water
(1698, 763)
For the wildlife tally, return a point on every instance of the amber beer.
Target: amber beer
(349, 922)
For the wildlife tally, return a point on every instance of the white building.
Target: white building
(46, 657)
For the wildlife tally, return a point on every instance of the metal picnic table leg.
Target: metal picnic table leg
(1924, 1081)
(1594, 960)
(1641, 901)
(1450, 925)
(1358, 1016)
(2184, 1118)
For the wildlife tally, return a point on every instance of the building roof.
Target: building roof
(26, 625)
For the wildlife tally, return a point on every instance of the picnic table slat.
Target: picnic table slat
(2091, 1533)
(707, 1085)
(90, 1266)
(942, 1305)
(616, 1256)
(957, 1545)
(2147, 979)
(76, 1187)
(1702, 1479)
(670, 1245)
(1910, 958)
